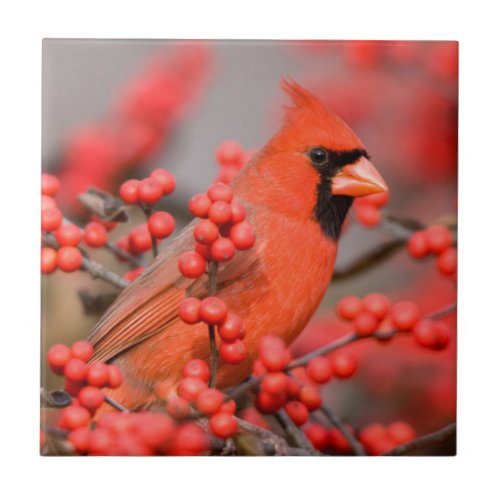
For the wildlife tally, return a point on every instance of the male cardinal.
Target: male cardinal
(297, 191)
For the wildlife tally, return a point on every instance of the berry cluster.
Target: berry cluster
(435, 240)
(369, 313)
(298, 393)
(140, 433)
(194, 390)
(379, 439)
(367, 208)
(222, 231)
(231, 158)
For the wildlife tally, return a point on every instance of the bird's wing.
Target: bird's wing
(152, 301)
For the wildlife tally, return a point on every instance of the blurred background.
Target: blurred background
(114, 109)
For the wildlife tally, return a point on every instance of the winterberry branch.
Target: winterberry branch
(147, 210)
(115, 404)
(334, 419)
(294, 432)
(424, 441)
(95, 269)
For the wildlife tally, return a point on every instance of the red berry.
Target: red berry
(49, 260)
(190, 388)
(338, 442)
(365, 323)
(109, 225)
(98, 374)
(91, 398)
(101, 441)
(51, 219)
(196, 368)
(209, 401)
(319, 370)
(311, 397)
(223, 425)
(150, 191)
(298, 412)
(190, 439)
(269, 403)
(343, 364)
(48, 202)
(75, 370)
(447, 262)
(230, 153)
(233, 352)
(438, 238)
(139, 240)
(349, 307)
(273, 353)
(203, 250)
(69, 259)
(73, 417)
(318, 435)
(238, 212)
(205, 232)
(232, 328)
(79, 438)
(377, 199)
(129, 191)
(368, 215)
(189, 311)
(133, 274)
(220, 192)
(95, 235)
(401, 432)
(57, 357)
(242, 235)
(417, 245)
(424, 332)
(68, 235)
(378, 304)
(213, 311)
(443, 335)
(161, 225)
(293, 387)
(222, 250)
(50, 185)
(404, 315)
(252, 416)
(115, 376)
(274, 383)
(199, 205)
(372, 433)
(165, 178)
(155, 430)
(178, 407)
(220, 212)
(229, 407)
(192, 265)
(73, 388)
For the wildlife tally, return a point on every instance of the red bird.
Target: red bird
(297, 191)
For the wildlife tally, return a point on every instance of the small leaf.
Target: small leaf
(105, 205)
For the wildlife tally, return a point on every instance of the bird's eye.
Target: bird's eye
(319, 156)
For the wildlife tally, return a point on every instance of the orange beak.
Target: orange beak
(358, 179)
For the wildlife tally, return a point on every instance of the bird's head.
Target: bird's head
(316, 165)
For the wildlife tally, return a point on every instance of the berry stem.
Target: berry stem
(148, 210)
(95, 269)
(214, 353)
(334, 419)
(294, 432)
(425, 441)
(115, 404)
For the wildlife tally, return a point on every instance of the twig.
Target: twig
(424, 441)
(356, 446)
(95, 269)
(147, 210)
(294, 432)
(115, 404)
(353, 337)
(214, 353)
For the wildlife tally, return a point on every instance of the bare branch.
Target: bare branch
(424, 441)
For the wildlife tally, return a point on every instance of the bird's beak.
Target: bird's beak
(358, 179)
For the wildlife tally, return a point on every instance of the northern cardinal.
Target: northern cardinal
(297, 191)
